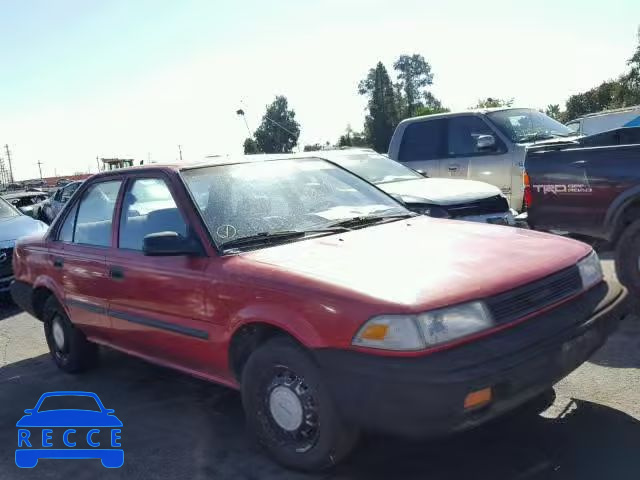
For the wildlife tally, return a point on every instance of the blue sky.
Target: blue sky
(136, 78)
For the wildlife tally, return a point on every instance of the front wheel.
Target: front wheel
(627, 257)
(290, 410)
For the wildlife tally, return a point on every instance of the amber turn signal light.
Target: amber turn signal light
(478, 398)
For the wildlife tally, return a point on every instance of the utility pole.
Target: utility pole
(98, 162)
(180, 150)
(40, 168)
(6, 147)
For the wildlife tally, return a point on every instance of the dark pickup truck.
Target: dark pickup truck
(590, 187)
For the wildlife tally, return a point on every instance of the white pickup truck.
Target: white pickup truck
(488, 145)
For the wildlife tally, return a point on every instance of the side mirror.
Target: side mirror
(29, 411)
(423, 173)
(486, 142)
(109, 411)
(163, 244)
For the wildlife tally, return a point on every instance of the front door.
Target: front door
(156, 305)
(86, 237)
(465, 160)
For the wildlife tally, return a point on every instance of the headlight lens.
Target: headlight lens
(421, 331)
(590, 270)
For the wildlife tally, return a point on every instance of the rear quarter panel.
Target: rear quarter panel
(578, 189)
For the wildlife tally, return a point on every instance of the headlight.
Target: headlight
(590, 270)
(435, 211)
(424, 330)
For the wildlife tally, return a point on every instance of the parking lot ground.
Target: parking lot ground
(177, 427)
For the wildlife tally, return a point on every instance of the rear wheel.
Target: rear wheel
(627, 257)
(289, 408)
(69, 348)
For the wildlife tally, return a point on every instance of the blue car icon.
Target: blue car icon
(35, 431)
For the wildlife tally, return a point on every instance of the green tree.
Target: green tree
(352, 138)
(251, 146)
(632, 79)
(553, 111)
(278, 132)
(491, 102)
(382, 116)
(624, 91)
(312, 148)
(422, 111)
(414, 74)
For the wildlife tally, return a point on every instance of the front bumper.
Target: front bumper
(5, 283)
(424, 396)
(22, 295)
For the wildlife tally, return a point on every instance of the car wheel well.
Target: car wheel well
(630, 214)
(247, 339)
(40, 297)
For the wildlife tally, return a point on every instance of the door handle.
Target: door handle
(58, 262)
(116, 273)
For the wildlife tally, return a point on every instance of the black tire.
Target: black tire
(322, 438)
(76, 354)
(627, 257)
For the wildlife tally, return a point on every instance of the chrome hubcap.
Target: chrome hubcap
(286, 408)
(58, 334)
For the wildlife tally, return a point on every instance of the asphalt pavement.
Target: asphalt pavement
(178, 427)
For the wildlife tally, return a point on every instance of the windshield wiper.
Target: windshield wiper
(369, 220)
(265, 238)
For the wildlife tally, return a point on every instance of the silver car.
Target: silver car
(487, 145)
(51, 207)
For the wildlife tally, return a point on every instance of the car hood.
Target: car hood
(69, 418)
(440, 191)
(425, 262)
(12, 228)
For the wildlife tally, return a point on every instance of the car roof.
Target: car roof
(219, 160)
(10, 196)
(471, 111)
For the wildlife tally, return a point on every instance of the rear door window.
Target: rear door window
(424, 141)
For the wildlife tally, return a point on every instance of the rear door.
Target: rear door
(85, 238)
(466, 160)
(157, 305)
(423, 146)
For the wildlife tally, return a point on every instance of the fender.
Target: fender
(48, 283)
(616, 209)
(283, 318)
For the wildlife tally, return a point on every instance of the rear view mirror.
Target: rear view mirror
(169, 244)
(486, 142)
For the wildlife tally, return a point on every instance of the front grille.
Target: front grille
(497, 204)
(5, 266)
(529, 298)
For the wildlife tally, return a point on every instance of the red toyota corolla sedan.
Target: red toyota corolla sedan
(327, 303)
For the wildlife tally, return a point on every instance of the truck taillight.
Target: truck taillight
(527, 191)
